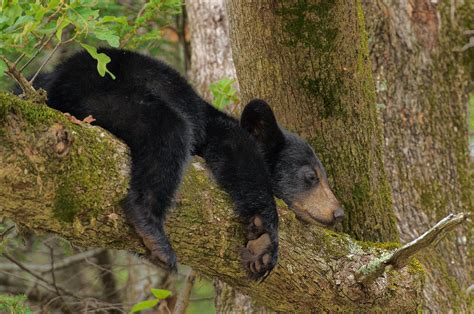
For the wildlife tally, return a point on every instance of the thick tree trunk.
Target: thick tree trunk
(422, 90)
(69, 179)
(211, 61)
(421, 93)
(211, 54)
(309, 60)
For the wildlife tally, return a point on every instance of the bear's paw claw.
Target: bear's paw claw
(259, 256)
(161, 253)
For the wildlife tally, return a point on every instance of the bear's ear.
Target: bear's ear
(258, 119)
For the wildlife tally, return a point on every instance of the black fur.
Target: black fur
(163, 121)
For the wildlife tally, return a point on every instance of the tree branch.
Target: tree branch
(69, 179)
(64, 263)
(16, 75)
(400, 257)
(185, 293)
(51, 285)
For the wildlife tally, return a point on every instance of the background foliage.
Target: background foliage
(29, 30)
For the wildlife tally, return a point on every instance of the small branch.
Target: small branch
(66, 262)
(34, 294)
(399, 258)
(51, 285)
(13, 72)
(43, 44)
(126, 38)
(19, 59)
(44, 62)
(183, 299)
(53, 274)
(53, 277)
(470, 43)
(4, 233)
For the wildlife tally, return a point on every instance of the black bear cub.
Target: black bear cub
(163, 121)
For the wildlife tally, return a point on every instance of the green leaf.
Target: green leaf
(108, 36)
(223, 93)
(23, 20)
(87, 13)
(53, 4)
(86, 2)
(160, 293)
(3, 67)
(227, 88)
(148, 304)
(219, 101)
(102, 60)
(62, 23)
(14, 11)
(113, 19)
(39, 13)
(3, 18)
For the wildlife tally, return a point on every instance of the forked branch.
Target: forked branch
(16, 75)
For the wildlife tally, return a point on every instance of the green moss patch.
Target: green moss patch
(80, 175)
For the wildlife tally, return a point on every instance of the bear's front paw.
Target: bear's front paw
(261, 252)
(161, 253)
(168, 261)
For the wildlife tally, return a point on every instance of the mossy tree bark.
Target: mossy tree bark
(211, 54)
(312, 68)
(211, 61)
(309, 60)
(422, 80)
(68, 179)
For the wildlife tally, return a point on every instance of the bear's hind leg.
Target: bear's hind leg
(158, 163)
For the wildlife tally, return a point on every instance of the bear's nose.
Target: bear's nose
(339, 214)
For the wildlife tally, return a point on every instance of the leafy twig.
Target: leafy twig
(126, 38)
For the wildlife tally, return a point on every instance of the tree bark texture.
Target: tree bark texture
(211, 61)
(309, 60)
(68, 179)
(422, 84)
(210, 48)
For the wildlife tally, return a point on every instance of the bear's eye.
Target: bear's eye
(311, 178)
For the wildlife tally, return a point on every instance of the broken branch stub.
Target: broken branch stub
(400, 257)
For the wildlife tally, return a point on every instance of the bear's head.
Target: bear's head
(298, 177)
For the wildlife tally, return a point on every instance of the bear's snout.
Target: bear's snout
(318, 205)
(338, 214)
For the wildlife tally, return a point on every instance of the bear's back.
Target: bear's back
(142, 87)
(77, 78)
